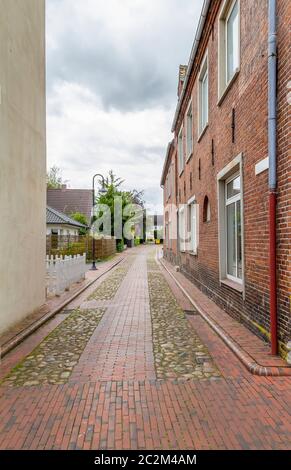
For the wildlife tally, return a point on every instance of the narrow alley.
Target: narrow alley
(124, 367)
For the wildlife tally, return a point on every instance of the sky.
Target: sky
(112, 74)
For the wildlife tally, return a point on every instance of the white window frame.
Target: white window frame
(173, 180)
(189, 132)
(204, 72)
(181, 160)
(227, 174)
(228, 202)
(193, 224)
(223, 82)
(182, 229)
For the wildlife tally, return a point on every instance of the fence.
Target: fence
(62, 272)
(64, 246)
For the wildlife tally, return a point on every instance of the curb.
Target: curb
(18, 338)
(252, 366)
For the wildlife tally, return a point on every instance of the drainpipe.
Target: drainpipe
(272, 144)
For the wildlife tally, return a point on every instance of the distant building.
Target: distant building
(61, 229)
(60, 224)
(154, 228)
(22, 159)
(70, 201)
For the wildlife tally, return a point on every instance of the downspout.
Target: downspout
(272, 147)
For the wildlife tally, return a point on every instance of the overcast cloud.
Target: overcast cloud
(112, 70)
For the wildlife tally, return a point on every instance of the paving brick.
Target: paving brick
(94, 411)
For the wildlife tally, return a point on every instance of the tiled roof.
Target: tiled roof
(70, 201)
(55, 217)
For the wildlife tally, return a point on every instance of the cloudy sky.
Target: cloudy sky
(112, 86)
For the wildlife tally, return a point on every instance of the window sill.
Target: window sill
(227, 88)
(233, 285)
(203, 132)
(189, 157)
(192, 253)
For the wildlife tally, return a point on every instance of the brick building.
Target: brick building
(215, 176)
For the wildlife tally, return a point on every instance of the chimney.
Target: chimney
(182, 76)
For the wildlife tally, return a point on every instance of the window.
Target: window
(189, 118)
(180, 151)
(232, 42)
(229, 44)
(193, 226)
(233, 228)
(203, 96)
(173, 180)
(230, 216)
(182, 229)
(170, 234)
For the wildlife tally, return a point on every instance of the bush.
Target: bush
(137, 241)
(120, 246)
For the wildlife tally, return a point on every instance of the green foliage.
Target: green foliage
(82, 219)
(120, 246)
(137, 241)
(54, 179)
(112, 185)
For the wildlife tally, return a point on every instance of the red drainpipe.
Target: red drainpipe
(272, 145)
(273, 280)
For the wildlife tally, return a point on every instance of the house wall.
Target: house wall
(62, 230)
(170, 205)
(22, 159)
(248, 96)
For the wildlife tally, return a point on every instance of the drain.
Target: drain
(66, 311)
(191, 313)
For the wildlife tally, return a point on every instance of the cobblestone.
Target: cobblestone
(109, 287)
(112, 399)
(179, 352)
(53, 360)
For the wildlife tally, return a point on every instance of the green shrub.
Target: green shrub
(120, 246)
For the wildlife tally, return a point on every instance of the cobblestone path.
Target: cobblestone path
(127, 370)
(53, 360)
(109, 287)
(178, 350)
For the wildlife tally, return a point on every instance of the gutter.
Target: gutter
(201, 24)
(272, 148)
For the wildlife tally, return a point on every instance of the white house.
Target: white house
(22, 159)
(60, 224)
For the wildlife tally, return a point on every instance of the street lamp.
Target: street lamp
(101, 191)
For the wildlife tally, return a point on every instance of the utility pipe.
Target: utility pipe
(272, 147)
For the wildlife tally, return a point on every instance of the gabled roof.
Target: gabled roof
(70, 201)
(55, 217)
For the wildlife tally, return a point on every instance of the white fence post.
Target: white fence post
(61, 273)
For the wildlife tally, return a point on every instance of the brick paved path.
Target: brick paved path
(121, 347)
(112, 399)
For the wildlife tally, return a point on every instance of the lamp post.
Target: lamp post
(102, 191)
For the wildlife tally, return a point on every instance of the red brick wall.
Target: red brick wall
(284, 173)
(249, 97)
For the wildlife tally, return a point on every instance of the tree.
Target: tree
(54, 178)
(82, 219)
(113, 190)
